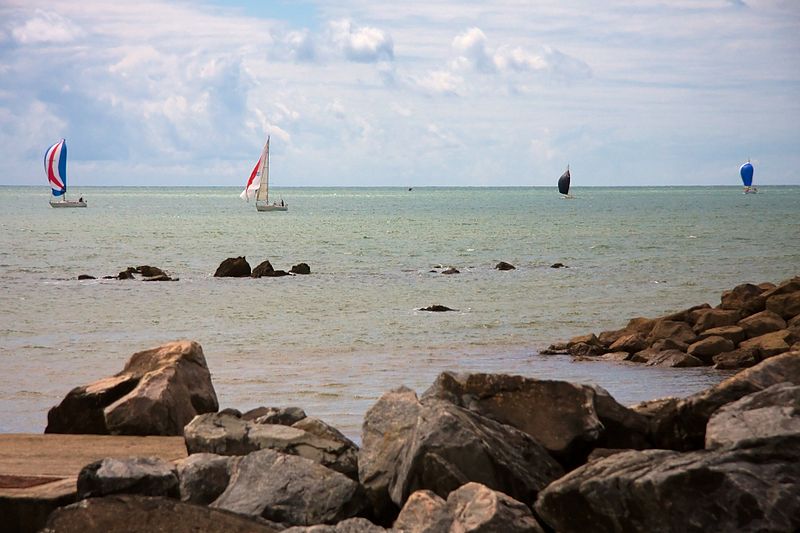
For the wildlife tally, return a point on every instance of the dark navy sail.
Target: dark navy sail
(563, 183)
(746, 171)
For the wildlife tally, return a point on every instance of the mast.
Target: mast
(263, 187)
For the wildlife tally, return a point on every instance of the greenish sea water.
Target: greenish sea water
(333, 341)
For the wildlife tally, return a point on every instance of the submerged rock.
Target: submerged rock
(502, 265)
(436, 308)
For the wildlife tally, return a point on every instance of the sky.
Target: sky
(412, 93)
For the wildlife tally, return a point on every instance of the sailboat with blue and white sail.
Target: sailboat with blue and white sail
(55, 166)
(746, 172)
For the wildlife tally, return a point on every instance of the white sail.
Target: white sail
(263, 189)
(254, 182)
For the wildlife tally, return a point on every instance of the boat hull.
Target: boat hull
(71, 203)
(272, 207)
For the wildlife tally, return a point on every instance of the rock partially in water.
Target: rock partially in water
(558, 265)
(300, 268)
(86, 276)
(263, 269)
(451, 270)
(233, 267)
(436, 308)
(502, 265)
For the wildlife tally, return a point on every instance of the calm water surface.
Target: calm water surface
(334, 341)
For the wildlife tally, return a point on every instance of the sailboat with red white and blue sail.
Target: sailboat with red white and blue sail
(55, 166)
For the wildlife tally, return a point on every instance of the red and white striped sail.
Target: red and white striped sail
(254, 181)
(55, 166)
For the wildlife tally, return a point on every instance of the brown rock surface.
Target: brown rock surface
(707, 348)
(762, 323)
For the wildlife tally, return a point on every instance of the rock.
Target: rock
(439, 446)
(732, 489)
(285, 416)
(590, 339)
(770, 344)
(290, 489)
(602, 453)
(300, 268)
(555, 348)
(735, 334)
(157, 393)
(674, 359)
(85, 276)
(231, 411)
(436, 308)
(162, 277)
(125, 275)
(615, 356)
(582, 349)
(471, 508)
(558, 265)
(141, 514)
(745, 298)
(714, 318)
(202, 477)
(502, 265)
(233, 267)
(228, 435)
(785, 305)
(351, 525)
(774, 411)
(567, 419)
(607, 338)
(276, 274)
(150, 271)
(681, 424)
(761, 323)
(708, 347)
(668, 329)
(669, 344)
(785, 287)
(451, 270)
(642, 326)
(263, 269)
(739, 358)
(629, 343)
(793, 322)
(147, 476)
(687, 315)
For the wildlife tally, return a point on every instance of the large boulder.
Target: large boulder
(157, 393)
(681, 424)
(262, 269)
(770, 344)
(730, 489)
(785, 305)
(439, 446)
(735, 334)
(202, 477)
(745, 298)
(739, 358)
(714, 318)
(300, 268)
(290, 489)
(286, 416)
(502, 265)
(762, 323)
(226, 434)
(567, 419)
(687, 315)
(142, 514)
(472, 508)
(629, 343)
(771, 412)
(233, 267)
(670, 329)
(708, 347)
(147, 476)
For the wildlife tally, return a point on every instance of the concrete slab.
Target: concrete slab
(39, 472)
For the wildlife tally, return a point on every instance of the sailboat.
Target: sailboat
(55, 166)
(563, 184)
(258, 185)
(746, 172)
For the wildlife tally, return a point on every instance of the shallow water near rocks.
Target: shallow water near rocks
(334, 341)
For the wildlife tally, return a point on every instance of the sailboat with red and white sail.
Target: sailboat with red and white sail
(258, 185)
(55, 166)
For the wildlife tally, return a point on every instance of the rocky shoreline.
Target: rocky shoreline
(473, 453)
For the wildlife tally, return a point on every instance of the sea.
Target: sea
(334, 341)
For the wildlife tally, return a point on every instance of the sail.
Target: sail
(563, 182)
(263, 187)
(254, 181)
(55, 166)
(746, 171)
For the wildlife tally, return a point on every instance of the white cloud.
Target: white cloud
(46, 27)
(362, 44)
(301, 45)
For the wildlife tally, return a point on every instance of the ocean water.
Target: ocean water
(334, 341)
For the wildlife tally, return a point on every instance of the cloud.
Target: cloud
(361, 44)
(301, 45)
(46, 27)
(471, 47)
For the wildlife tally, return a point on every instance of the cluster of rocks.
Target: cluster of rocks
(475, 452)
(751, 323)
(502, 265)
(147, 273)
(238, 267)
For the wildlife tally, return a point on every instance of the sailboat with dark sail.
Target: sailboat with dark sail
(563, 184)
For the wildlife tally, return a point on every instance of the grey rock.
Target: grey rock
(774, 411)
(147, 476)
(351, 525)
(285, 416)
(291, 490)
(423, 512)
(730, 489)
(202, 477)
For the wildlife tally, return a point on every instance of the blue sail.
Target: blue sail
(746, 171)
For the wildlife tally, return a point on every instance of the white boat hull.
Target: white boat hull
(69, 203)
(271, 207)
